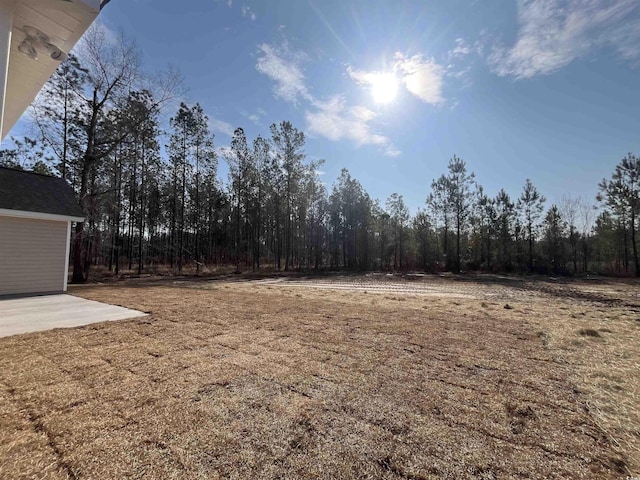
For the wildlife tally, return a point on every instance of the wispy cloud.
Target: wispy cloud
(256, 117)
(626, 41)
(422, 77)
(247, 12)
(109, 36)
(461, 50)
(459, 63)
(221, 126)
(552, 33)
(362, 77)
(335, 120)
(284, 67)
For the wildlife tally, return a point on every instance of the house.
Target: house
(36, 212)
(35, 36)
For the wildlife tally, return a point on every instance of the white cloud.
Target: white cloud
(390, 151)
(459, 66)
(283, 66)
(221, 126)
(255, 117)
(461, 50)
(422, 77)
(361, 77)
(247, 12)
(552, 33)
(462, 76)
(107, 35)
(484, 42)
(335, 120)
(626, 41)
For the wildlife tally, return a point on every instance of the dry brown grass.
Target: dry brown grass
(600, 343)
(231, 380)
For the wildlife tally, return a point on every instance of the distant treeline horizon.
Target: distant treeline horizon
(98, 127)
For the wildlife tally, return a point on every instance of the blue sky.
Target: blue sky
(540, 89)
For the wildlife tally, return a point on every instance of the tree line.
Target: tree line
(153, 198)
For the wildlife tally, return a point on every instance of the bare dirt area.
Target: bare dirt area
(352, 377)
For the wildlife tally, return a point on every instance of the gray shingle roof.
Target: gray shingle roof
(33, 192)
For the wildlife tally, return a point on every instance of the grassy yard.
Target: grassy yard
(254, 380)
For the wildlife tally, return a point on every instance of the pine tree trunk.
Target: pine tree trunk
(141, 224)
(458, 263)
(87, 164)
(634, 245)
(530, 249)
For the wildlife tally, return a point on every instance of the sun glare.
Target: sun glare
(384, 87)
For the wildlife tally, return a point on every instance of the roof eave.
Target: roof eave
(6, 212)
(23, 76)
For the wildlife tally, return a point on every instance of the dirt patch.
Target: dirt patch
(232, 380)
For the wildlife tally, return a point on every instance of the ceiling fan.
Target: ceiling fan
(35, 40)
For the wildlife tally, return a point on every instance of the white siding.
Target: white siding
(32, 255)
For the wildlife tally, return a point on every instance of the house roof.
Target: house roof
(32, 192)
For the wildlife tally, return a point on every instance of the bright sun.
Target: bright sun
(384, 87)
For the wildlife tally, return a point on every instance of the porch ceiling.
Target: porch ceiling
(64, 22)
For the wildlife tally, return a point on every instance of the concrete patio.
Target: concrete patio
(34, 314)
